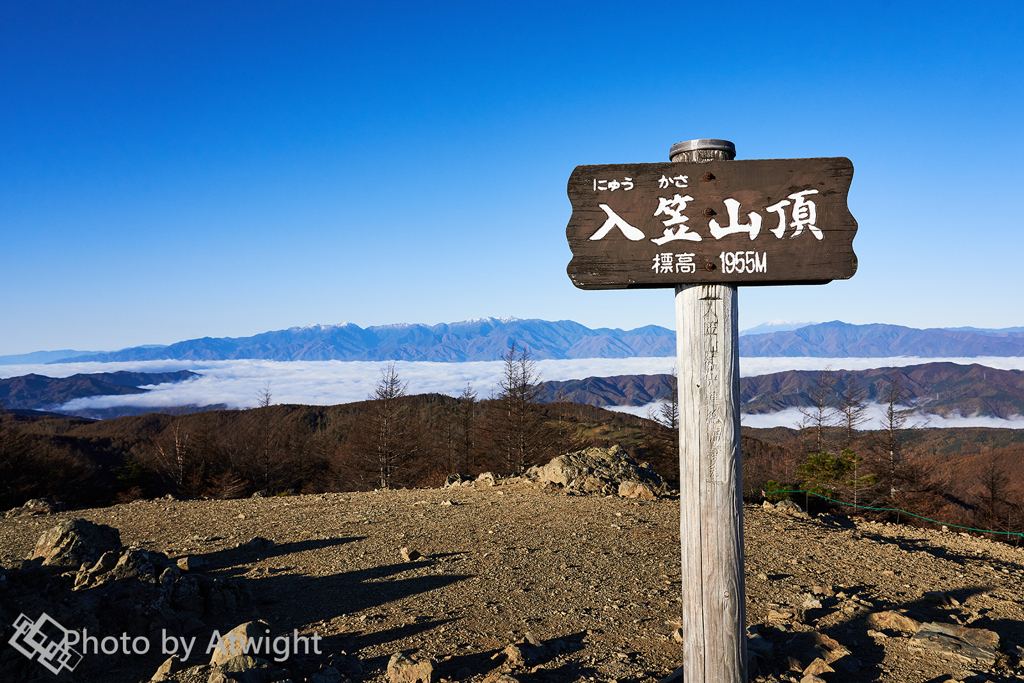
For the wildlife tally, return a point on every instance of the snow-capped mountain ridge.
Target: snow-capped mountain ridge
(487, 339)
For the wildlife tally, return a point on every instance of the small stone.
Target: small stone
(328, 674)
(514, 656)
(188, 564)
(781, 615)
(893, 621)
(409, 555)
(758, 644)
(501, 677)
(818, 666)
(811, 603)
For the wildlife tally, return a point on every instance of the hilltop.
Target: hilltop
(595, 580)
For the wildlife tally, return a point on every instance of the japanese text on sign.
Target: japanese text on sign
(801, 209)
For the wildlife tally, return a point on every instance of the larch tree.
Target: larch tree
(820, 413)
(852, 410)
(385, 441)
(519, 430)
(890, 438)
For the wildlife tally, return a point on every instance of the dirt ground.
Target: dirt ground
(595, 579)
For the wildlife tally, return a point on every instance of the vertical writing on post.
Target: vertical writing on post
(709, 381)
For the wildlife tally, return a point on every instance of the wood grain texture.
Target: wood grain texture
(711, 506)
(623, 258)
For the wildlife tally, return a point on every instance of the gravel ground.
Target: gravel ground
(595, 579)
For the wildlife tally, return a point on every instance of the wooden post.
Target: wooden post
(710, 468)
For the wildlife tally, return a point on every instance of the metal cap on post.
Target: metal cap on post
(705, 149)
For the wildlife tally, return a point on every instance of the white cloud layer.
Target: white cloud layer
(237, 382)
(792, 417)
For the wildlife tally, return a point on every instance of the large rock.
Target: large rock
(401, 669)
(75, 541)
(456, 480)
(636, 489)
(604, 471)
(892, 621)
(36, 506)
(246, 669)
(235, 642)
(971, 645)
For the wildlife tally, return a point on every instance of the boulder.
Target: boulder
(90, 575)
(602, 471)
(401, 669)
(171, 666)
(233, 643)
(74, 542)
(789, 508)
(636, 489)
(36, 506)
(327, 674)
(246, 669)
(456, 480)
(892, 621)
(971, 645)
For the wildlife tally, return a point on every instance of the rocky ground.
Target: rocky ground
(594, 581)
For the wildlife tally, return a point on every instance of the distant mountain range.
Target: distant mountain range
(939, 388)
(38, 392)
(487, 339)
(775, 326)
(842, 340)
(41, 357)
(473, 340)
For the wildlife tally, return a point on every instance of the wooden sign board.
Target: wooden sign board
(749, 222)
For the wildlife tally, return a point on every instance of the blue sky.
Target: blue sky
(182, 169)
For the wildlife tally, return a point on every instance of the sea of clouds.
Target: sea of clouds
(237, 383)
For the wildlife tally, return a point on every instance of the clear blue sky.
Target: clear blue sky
(171, 170)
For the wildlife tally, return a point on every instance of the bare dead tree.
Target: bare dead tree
(385, 440)
(664, 438)
(993, 495)
(264, 436)
(889, 444)
(519, 430)
(821, 412)
(852, 411)
(467, 423)
(174, 454)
